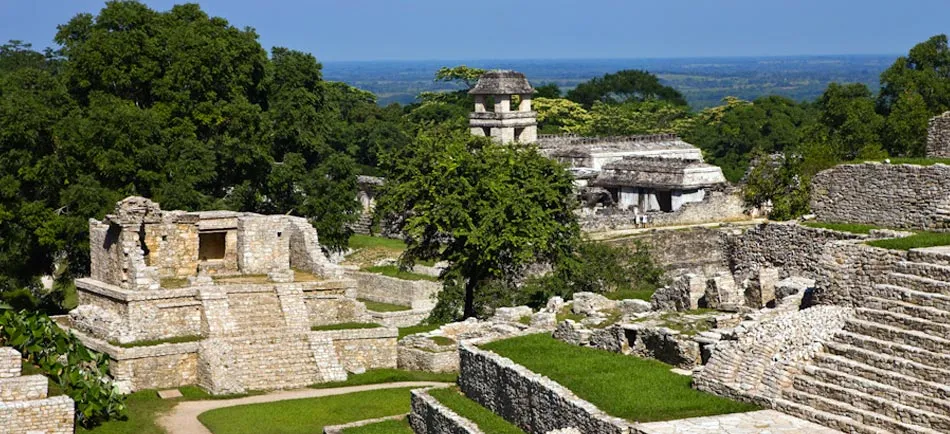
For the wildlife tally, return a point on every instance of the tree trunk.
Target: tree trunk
(470, 285)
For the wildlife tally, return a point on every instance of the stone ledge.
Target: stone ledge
(27, 388)
(121, 294)
(350, 334)
(429, 416)
(119, 353)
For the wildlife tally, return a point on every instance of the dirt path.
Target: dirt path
(183, 418)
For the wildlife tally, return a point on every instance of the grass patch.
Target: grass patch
(345, 326)
(623, 386)
(526, 320)
(567, 313)
(173, 283)
(376, 306)
(630, 294)
(367, 241)
(400, 426)
(411, 330)
(486, 420)
(917, 161)
(378, 376)
(854, 228)
(918, 240)
(149, 343)
(142, 408)
(306, 415)
(394, 271)
(678, 321)
(442, 340)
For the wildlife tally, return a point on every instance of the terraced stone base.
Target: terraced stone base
(765, 421)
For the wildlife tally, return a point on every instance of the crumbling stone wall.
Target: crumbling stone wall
(417, 294)
(938, 136)
(692, 250)
(792, 248)
(495, 382)
(360, 350)
(717, 206)
(886, 195)
(25, 407)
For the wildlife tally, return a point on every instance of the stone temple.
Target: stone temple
(499, 121)
(228, 301)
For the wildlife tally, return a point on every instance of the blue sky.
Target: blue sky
(543, 29)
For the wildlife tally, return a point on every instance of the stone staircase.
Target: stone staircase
(261, 340)
(887, 370)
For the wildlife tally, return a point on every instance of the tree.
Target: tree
(648, 117)
(905, 128)
(487, 209)
(624, 86)
(547, 90)
(848, 120)
(559, 115)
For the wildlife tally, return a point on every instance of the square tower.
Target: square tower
(503, 123)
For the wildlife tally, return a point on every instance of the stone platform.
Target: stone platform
(755, 422)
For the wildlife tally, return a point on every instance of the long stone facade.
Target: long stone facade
(887, 195)
(25, 407)
(210, 298)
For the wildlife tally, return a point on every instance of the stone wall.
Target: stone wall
(305, 251)
(429, 416)
(938, 136)
(851, 269)
(496, 382)
(696, 250)
(405, 318)
(328, 309)
(25, 407)
(717, 206)
(792, 248)
(359, 350)
(418, 294)
(263, 244)
(887, 195)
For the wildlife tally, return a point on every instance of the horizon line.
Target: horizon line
(524, 59)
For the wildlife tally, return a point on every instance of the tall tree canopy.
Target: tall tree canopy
(486, 208)
(629, 85)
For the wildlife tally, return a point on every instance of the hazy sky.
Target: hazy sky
(523, 29)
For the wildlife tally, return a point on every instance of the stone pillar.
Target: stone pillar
(502, 103)
(529, 135)
(480, 105)
(525, 105)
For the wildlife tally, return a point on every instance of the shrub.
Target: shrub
(80, 372)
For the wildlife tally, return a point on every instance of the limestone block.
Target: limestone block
(9, 362)
(588, 303)
(722, 293)
(554, 304)
(760, 288)
(544, 320)
(792, 286)
(633, 307)
(512, 314)
(682, 294)
(572, 333)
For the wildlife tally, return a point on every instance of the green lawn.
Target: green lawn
(394, 271)
(376, 306)
(631, 294)
(345, 326)
(400, 426)
(411, 330)
(378, 376)
(623, 386)
(486, 420)
(854, 228)
(306, 416)
(362, 241)
(920, 239)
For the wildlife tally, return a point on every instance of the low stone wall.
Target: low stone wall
(496, 382)
(887, 195)
(690, 250)
(359, 350)
(419, 353)
(938, 136)
(429, 416)
(792, 248)
(405, 318)
(851, 269)
(417, 294)
(717, 206)
(49, 416)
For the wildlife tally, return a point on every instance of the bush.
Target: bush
(80, 372)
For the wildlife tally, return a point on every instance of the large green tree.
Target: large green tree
(488, 209)
(630, 85)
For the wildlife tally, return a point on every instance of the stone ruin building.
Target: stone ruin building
(225, 300)
(499, 121)
(938, 136)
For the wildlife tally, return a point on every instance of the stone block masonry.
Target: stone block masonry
(531, 401)
(938, 136)
(25, 407)
(887, 195)
(429, 416)
(360, 350)
(417, 294)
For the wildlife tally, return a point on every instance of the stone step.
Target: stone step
(840, 375)
(865, 422)
(900, 320)
(884, 369)
(884, 406)
(923, 312)
(924, 269)
(919, 283)
(841, 423)
(898, 335)
(904, 357)
(912, 296)
(930, 255)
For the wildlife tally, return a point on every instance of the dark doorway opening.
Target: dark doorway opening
(665, 200)
(211, 245)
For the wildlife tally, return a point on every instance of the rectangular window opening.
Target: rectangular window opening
(211, 246)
